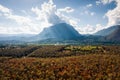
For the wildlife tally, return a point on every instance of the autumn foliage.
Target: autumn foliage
(88, 63)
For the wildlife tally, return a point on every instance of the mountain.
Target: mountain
(107, 31)
(61, 31)
(20, 37)
(65, 34)
(115, 35)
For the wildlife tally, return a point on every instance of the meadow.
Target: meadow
(60, 62)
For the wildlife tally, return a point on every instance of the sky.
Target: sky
(32, 16)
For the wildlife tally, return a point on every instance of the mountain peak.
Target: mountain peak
(61, 31)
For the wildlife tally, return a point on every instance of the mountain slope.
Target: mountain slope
(115, 35)
(107, 31)
(60, 31)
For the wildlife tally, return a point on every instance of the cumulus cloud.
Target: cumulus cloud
(47, 13)
(16, 30)
(114, 15)
(50, 14)
(9, 14)
(89, 29)
(4, 9)
(19, 19)
(23, 22)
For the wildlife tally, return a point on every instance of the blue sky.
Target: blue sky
(32, 16)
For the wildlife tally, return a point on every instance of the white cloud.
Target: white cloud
(66, 9)
(3, 30)
(88, 13)
(24, 24)
(0, 14)
(92, 13)
(46, 15)
(9, 15)
(19, 19)
(86, 10)
(4, 9)
(103, 2)
(18, 30)
(98, 2)
(49, 14)
(89, 29)
(89, 5)
(73, 22)
(70, 20)
(114, 15)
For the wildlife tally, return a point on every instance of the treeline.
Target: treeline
(56, 51)
(48, 51)
(63, 51)
(17, 51)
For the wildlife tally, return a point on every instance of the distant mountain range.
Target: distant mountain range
(115, 35)
(112, 33)
(107, 31)
(6, 37)
(66, 33)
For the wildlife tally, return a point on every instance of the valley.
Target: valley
(59, 39)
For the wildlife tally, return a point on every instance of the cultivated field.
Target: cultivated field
(52, 62)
